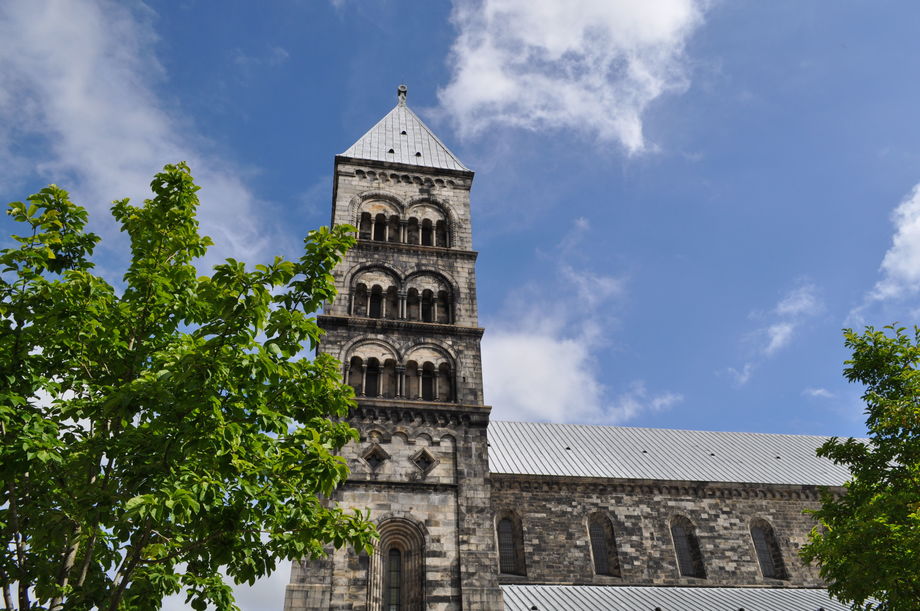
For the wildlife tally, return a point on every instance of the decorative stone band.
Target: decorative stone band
(437, 414)
(702, 490)
(328, 321)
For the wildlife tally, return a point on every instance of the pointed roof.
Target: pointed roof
(401, 137)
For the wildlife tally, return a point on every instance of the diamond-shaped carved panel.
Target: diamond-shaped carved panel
(424, 460)
(375, 457)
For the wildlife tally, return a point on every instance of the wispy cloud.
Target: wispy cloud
(900, 268)
(85, 77)
(781, 323)
(589, 65)
(821, 393)
(541, 361)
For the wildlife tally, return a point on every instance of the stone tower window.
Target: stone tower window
(394, 580)
(397, 568)
(372, 378)
(380, 228)
(441, 234)
(427, 233)
(603, 546)
(767, 549)
(510, 545)
(365, 226)
(687, 548)
(412, 231)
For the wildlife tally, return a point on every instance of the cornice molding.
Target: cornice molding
(699, 490)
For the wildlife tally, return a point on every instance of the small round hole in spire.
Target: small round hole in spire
(418, 154)
(391, 151)
(402, 133)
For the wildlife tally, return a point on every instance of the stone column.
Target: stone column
(400, 381)
(363, 378)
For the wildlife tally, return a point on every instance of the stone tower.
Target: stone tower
(405, 328)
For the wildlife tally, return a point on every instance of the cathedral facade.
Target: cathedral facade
(484, 515)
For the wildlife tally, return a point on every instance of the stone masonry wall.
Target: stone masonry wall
(432, 493)
(554, 513)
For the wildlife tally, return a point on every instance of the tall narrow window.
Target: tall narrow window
(769, 555)
(428, 382)
(687, 548)
(380, 228)
(603, 546)
(376, 309)
(394, 580)
(427, 233)
(396, 573)
(372, 378)
(510, 546)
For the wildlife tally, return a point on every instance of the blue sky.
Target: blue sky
(678, 205)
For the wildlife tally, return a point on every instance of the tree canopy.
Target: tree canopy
(159, 434)
(868, 540)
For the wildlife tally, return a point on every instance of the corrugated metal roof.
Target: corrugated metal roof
(636, 598)
(401, 137)
(570, 450)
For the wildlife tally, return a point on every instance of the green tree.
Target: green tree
(160, 433)
(868, 542)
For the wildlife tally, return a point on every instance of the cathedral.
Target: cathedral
(485, 515)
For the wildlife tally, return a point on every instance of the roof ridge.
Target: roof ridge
(658, 428)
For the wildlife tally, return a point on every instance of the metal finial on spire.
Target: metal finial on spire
(401, 92)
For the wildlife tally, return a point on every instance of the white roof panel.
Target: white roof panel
(637, 598)
(572, 450)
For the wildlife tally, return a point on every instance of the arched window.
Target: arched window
(445, 383)
(442, 311)
(365, 226)
(355, 373)
(440, 230)
(427, 233)
(427, 306)
(687, 548)
(767, 549)
(428, 382)
(380, 228)
(510, 545)
(393, 592)
(412, 231)
(372, 378)
(412, 305)
(397, 568)
(393, 229)
(603, 546)
(376, 305)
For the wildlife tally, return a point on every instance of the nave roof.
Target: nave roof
(573, 450)
(639, 598)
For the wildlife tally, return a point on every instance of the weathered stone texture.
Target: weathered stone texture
(554, 514)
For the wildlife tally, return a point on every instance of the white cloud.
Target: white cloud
(588, 65)
(783, 321)
(821, 393)
(741, 376)
(542, 361)
(81, 79)
(900, 268)
(778, 336)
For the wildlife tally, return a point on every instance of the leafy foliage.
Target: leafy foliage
(869, 543)
(157, 435)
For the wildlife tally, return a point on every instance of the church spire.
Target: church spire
(401, 137)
